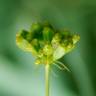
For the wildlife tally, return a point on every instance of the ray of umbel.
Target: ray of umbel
(62, 66)
(47, 45)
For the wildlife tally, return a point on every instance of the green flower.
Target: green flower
(47, 44)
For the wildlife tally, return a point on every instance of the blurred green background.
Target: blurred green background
(19, 76)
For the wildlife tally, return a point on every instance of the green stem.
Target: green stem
(47, 79)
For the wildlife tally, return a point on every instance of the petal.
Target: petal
(58, 53)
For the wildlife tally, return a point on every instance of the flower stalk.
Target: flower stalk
(47, 78)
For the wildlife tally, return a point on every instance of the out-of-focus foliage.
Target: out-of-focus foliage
(18, 74)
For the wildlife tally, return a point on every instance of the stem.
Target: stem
(47, 79)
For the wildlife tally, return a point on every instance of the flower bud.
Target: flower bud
(75, 38)
(35, 44)
(47, 24)
(48, 50)
(56, 40)
(22, 43)
(37, 61)
(47, 34)
(36, 30)
(26, 35)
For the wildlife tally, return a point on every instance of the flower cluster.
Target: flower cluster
(46, 43)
